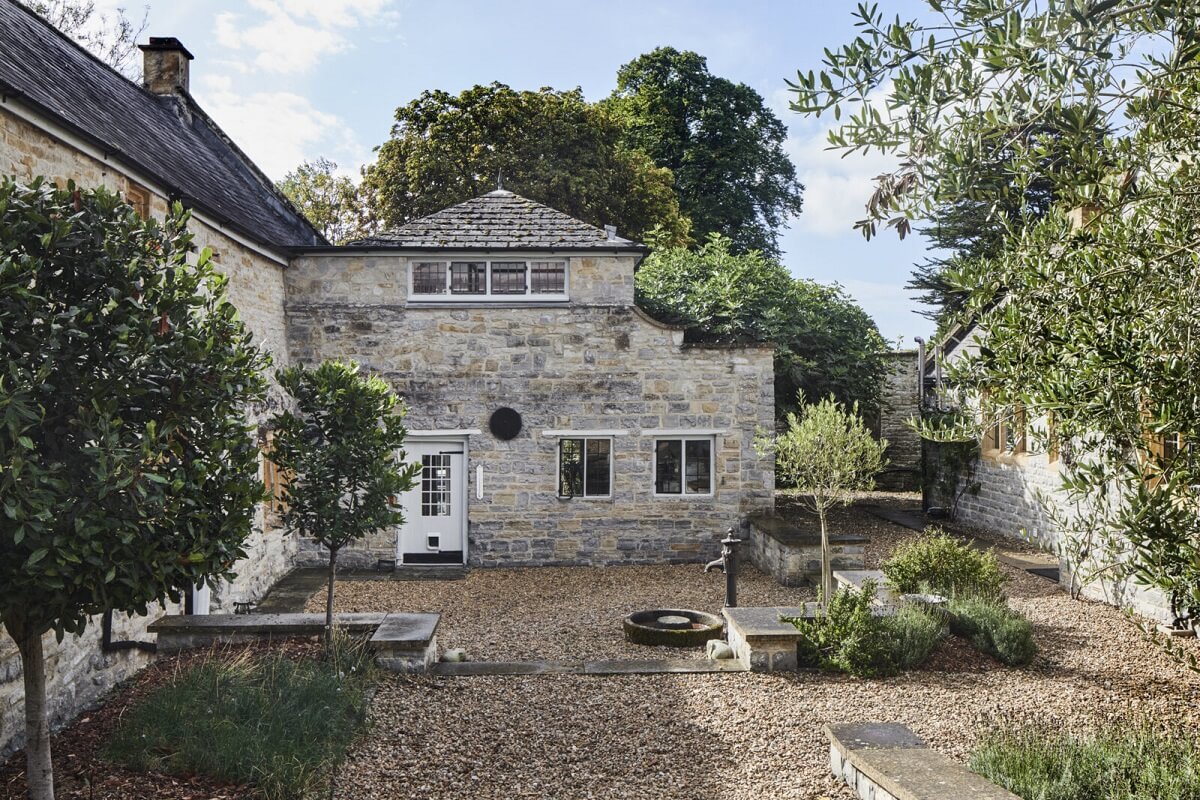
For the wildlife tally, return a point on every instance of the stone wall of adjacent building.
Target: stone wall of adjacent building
(899, 404)
(78, 672)
(595, 364)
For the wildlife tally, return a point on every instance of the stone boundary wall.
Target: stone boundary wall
(78, 673)
(1007, 502)
(562, 367)
(898, 405)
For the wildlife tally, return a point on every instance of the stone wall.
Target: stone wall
(597, 363)
(78, 672)
(899, 405)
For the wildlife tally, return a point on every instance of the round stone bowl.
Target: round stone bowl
(666, 627)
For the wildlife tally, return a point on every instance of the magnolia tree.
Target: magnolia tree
(127, 470)
(827, 454)
(342, 451)
(1090, 316)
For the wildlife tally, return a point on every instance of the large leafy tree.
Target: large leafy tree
(825, 343)
(342, 448)
(711, 132)
(1092, 320)
(550, 146)
(127, 470)
(329, 200)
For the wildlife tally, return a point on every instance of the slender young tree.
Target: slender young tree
(127, 469)
(342, 450)
(826, 453)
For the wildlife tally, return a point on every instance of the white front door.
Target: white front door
(435, 510)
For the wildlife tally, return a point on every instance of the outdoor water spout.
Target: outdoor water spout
(727, 563)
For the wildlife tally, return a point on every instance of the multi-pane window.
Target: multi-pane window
(435, 486)
(468, 277)
(429, 277)
(548, 277)
(683, 466)
(508, 277)
(1004, 428)
(139, 198)
(584, 467)
(481, 279)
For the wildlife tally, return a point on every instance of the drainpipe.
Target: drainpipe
(920, 370)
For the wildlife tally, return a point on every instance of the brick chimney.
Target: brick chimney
(165, 65)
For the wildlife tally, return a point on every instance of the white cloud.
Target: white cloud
(837, 186)
(278, 129)
(292, 36)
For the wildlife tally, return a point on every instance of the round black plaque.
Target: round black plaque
(505, 423)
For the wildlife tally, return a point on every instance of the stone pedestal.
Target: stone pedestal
(761, 640)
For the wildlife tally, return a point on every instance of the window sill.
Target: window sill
(593, 497)
(706, 496)
(481, 301)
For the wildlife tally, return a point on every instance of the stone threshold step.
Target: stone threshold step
(679, 666)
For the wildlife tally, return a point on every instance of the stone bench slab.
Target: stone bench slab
(405, 631)
(887, 761)
(762, 641)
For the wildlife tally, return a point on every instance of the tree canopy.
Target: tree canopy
(127, 471)
(109, 34)
(330, 201)
(1090, 316)
(723, 145)
(826, 344)
(550, 146)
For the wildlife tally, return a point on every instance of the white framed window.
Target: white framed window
(471, 280)
(684, 466)
(585, 467)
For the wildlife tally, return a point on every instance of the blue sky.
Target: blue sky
(297, 79)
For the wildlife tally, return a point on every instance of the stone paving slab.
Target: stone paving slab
(755, 622)
(851, 736)
(608, 667)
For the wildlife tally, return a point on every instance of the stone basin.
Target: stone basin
(673, 627)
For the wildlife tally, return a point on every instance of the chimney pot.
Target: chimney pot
(610, 232)
(165, 65)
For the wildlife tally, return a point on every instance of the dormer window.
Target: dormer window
(480, 280)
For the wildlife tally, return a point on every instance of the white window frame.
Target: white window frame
(684, 439)
(447, 297)
(612, 457)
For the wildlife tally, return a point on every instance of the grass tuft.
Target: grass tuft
(264, 719)
(1040, 763)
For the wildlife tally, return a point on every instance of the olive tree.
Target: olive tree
(341, 448)
(1090, 314)
(127, 469)
(827, 454)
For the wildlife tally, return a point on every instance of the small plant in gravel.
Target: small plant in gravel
(263, 719)
(938, 562)
(1041, 763)
(851, 638)
(993, 628)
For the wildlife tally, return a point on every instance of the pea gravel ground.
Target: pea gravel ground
(726, 737)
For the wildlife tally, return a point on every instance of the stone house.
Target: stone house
(1014, 483)
(556, 422)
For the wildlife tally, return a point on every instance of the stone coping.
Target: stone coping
(763, 622)
(792, 534)
(899, 763)
(273, 624)
(392, 631)
(855, 578)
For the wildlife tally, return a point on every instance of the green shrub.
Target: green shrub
(850, 638)
(1039, 763)
(937, 562)
(265, 720)
(993, 628)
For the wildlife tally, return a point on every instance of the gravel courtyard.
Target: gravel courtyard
(723, 737)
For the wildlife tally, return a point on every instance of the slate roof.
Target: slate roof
(498, 220)
(168, 138)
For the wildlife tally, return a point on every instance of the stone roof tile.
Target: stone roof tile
(495, 221)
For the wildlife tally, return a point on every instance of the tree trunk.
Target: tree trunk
(826, 563)
(329, 599)
(39, 771)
